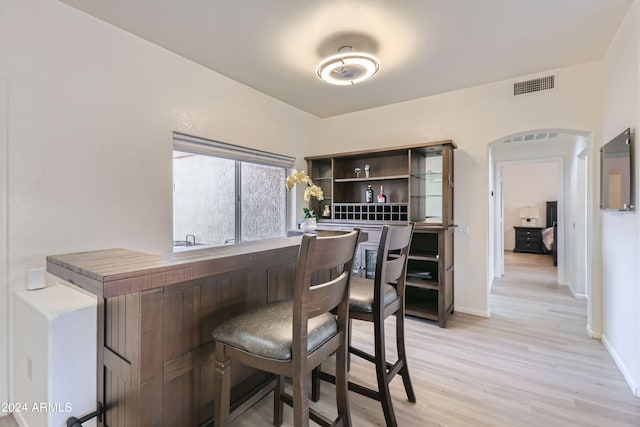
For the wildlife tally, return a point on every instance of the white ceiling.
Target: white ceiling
(425, 46)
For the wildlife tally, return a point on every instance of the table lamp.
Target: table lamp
(529, 216)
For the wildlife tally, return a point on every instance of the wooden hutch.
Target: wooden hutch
(417, 181)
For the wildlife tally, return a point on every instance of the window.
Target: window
(224, 194)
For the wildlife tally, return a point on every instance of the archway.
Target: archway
(567, 148)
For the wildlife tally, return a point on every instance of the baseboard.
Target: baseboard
(472, 312)
(575, 295)
(594, 334)
(625, 372)
(20, 419)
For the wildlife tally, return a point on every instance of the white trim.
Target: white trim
(594, 334)
(20, 419)
(472, 312)
(5, 336)
(623, 368)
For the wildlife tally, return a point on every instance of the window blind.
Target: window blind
(197, 145)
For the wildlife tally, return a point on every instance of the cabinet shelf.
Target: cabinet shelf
(423, 256)
(372, 178)
(430, 274)
(422, 303)
(429, 176)
(426, 311)
(426, 196)
(422, 284)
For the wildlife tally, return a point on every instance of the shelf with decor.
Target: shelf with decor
(372, 178)
(417, 181)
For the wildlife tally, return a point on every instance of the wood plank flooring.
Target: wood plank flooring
(530, 364)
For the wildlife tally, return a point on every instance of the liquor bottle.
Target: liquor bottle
(369, 194)
(382, 198)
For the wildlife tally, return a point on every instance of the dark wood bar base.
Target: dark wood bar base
(155, 318)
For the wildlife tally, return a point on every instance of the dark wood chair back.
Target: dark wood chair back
(322, 285)
(374, 301)
(307, 326)
(391, 263)
(323, 272)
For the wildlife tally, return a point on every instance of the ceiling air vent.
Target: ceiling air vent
(535, 85)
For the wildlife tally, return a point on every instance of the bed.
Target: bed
(550, 234)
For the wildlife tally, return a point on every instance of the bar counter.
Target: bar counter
(155, 318)
(113, 272)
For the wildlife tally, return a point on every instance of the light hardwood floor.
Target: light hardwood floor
(530, 364)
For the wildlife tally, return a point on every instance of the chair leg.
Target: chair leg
(342, 387)
(300, 400)
(278, 405)
(315, 383)
(349, 344)
(381, 375)
(315, 374)
(222, 387)
(402, 355)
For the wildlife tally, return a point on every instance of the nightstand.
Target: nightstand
(528, 239)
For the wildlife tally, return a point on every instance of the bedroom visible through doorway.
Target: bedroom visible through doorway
(533, 150)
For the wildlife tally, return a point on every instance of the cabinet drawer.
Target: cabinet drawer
(530, 239)
(527, 233)
(528, 245)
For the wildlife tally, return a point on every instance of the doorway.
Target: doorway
(545, 146)
(526, 187)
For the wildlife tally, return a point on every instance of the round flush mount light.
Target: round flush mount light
(348, 68)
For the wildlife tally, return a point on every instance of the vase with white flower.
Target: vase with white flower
(309, 220)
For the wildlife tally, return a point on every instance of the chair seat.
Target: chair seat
(361, 294)
(267, 331)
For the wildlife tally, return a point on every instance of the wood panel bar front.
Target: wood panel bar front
(155, 318)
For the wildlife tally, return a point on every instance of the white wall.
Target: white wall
(91, 109)
(4, 290)
(472, 118)
(621, 230)
(527, 184)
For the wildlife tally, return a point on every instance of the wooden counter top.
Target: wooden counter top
(112, 272)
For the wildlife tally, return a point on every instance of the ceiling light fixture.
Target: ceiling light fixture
(348, 68)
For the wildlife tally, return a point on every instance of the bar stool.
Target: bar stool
(374, 301)
(290, 338)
